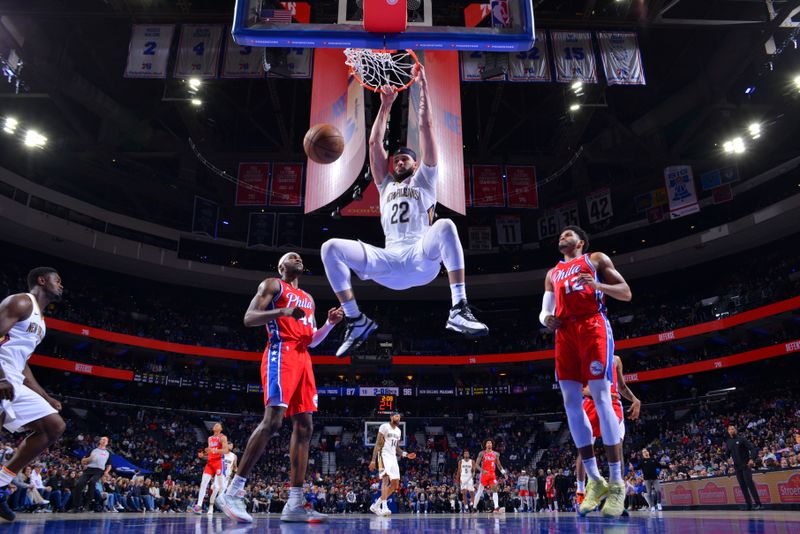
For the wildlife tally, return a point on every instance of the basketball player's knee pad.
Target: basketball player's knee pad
(609, 423)
(579, 424)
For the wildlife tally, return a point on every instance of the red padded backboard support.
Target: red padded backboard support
(385, 16)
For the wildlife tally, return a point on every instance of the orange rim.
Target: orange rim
(377, 89)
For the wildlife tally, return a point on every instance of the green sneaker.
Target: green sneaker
(595, 491)
(615, 500)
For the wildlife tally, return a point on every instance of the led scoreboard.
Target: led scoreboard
(387, 404)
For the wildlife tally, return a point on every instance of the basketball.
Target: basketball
(323, 143)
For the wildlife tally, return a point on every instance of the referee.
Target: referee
(743, 453)
(96, 466)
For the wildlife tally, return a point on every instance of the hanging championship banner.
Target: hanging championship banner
(680, 191)
(622, 61)
(474, 64)
(251, 184)
(198, 51)
(509, 229)
(598, 205)
(261, 230)
(521, 184)
(242, 61)
(290, 230)
(480, 237)
(487, 183)
(205, 217)
(298, 65)
(533, 65)
(574, 56)
(468, 186)
(148, 51)
(286, 184)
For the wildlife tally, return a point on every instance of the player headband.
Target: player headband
(283, 259)
(407, 151)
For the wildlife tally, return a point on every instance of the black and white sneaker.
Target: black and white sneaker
(5, 510)
(462, 320)
(358, 330)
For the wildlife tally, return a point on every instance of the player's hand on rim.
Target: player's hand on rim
(335, 315)
(419, 74)
(388, 95)
(551, 322)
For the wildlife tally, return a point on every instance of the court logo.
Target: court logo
(596, 368)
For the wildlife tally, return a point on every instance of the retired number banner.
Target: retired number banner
(622, 61)
(598, 205)
(286, 184)
(488, 186)
(574, 56)
(521, 184)
(680, 191)
(533, 65)
(148, 51)
(467, 186)
(473, 65)
(251, 184)
(242, 61)
(299, 63)
(198, 51)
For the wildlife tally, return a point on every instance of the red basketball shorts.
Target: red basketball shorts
(594, 419)
(213, 467)
(584, 349)
(488, 479)
(288, 379)
(523, 493)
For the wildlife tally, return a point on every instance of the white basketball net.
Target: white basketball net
(376, 68)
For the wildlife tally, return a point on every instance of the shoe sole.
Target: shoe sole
(467, 331)
(233, 516)
(359, 340)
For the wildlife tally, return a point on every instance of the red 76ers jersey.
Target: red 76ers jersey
(288, 329)
(573, 299)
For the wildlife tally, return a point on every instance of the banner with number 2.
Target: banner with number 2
(198, 51)
(148, 51)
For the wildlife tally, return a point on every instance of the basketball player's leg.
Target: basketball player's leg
(478, 495)
(441, 243)
(580, 476)
(44, 432)
(208, 474)
(340, 256)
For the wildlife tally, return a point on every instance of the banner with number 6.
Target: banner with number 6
(148, 51)
(574, 56)
(198, 51)
(242, 61)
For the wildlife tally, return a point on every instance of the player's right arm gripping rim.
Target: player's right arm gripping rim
(376, 451)
(258, 315)
(378, 157)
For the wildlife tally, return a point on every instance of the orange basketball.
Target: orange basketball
(323, 143)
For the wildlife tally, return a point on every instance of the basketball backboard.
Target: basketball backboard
(268, 24)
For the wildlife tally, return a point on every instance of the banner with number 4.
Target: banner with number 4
(198, 51)
(148, 51)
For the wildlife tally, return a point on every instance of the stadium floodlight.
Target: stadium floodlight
(797, 81)
(10, 125)
(196, 102)
(755, 130)
(34, 139)
(727, 146)
(575, 107)
(738, 145)
(195, 83)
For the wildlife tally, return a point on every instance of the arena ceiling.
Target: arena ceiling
(123, 143)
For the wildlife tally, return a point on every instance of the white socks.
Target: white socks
(615, 472)
(350, 309)
(496, 501)
(296, 499)
(591, 468)
(582, 485)
(458, 292)
(237, 484)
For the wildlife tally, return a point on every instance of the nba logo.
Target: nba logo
(500, 14)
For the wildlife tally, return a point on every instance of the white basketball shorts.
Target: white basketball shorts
(467, 484)
(399, 267)
(388, 466)
(26, 407)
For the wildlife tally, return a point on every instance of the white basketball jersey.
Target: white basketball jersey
(391, 439)
(466, 469)
(227, 463)
(407, 206)
(20, 342)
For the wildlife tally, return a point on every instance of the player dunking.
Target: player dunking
(488, 460)
(465, 478)
(217, 445)
(26, 406)
(618, 388)
(289, 386)
(574, 307)
(415, 245)
(384, 457)
(228, 469)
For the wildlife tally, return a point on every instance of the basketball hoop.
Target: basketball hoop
(376, 68)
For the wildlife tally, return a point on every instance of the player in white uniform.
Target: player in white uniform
(229, 460)
(26, 406)
(384, 457)
(465, 472)
(415, 245)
